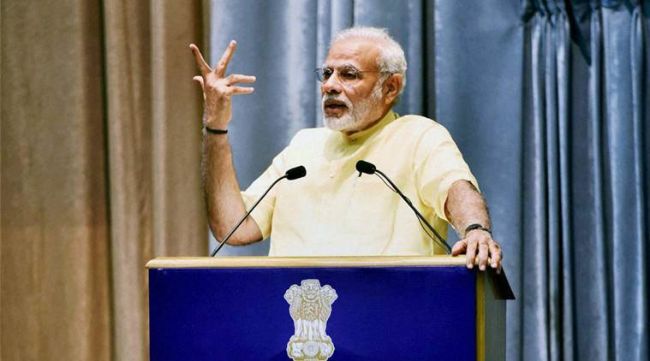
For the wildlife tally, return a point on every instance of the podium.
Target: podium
(315, 308)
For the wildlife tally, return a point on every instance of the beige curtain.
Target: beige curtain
(100, 139)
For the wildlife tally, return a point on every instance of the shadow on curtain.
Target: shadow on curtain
(547, 100)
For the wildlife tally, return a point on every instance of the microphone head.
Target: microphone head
(365, 167)
(296, 172)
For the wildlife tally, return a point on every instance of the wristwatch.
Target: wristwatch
(475, 226)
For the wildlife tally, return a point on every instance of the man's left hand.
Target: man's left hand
(479, 249)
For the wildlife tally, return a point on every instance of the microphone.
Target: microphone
(365, 167)
(291, 174)
(295, 173)
(369, 168)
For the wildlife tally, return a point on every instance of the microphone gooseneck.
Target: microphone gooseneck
(369, 168)
(291, 174)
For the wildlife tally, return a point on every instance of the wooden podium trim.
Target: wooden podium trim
(480, 317)
(269, 262)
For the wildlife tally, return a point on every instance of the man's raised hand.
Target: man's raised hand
(219, 88)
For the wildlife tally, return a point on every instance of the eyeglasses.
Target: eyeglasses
(346, 74)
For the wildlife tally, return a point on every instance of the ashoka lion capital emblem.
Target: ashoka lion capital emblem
(310, 306)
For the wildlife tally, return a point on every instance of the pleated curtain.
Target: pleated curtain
(101, 141)
(585, 213)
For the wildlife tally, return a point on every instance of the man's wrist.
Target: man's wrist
(475, 227)
(214, 122)
(217, 131)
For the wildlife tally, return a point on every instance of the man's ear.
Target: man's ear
(392, 87)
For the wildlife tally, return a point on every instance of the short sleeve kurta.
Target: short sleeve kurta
(334, 211)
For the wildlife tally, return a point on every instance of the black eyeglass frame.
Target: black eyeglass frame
(321, 77)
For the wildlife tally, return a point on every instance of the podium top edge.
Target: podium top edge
(306, 262)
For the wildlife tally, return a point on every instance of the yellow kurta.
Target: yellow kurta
(332, 211)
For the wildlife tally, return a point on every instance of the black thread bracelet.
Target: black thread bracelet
(475, 226)
(215, 131)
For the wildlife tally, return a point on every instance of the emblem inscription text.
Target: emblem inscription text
(310, 306)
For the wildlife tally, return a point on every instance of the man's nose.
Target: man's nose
(331, 86)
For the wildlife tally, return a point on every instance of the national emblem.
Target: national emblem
(310, 306)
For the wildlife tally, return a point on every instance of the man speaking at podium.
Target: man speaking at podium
(335, 210)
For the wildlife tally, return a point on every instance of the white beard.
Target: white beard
(356, 115)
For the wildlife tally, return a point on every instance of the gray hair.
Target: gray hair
(391, 58)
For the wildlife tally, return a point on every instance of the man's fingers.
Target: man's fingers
(471, 254)
(222, 66)
(459, 248)
(495, 256)
(199, 79)
(239, 78)
(480, 250)
(237, 90)
(200, 62)
(482, 256)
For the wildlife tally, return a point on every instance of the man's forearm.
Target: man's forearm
(465, 206)
(222, 192)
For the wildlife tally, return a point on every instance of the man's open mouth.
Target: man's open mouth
(334, 105)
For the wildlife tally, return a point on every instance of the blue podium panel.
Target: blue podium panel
(379, 313)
